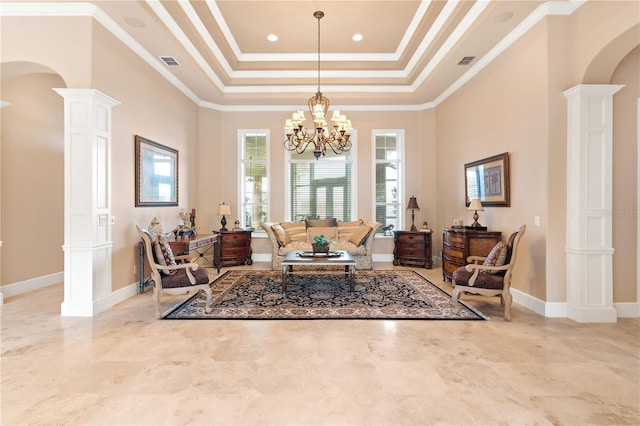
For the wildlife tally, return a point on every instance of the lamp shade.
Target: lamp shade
(476, 205)
(413, 203)
(224, 209)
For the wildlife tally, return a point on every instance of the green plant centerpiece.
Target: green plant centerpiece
(320, 244)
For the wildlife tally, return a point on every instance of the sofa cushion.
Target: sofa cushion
(497, 256)
(346, 229)
(312, 223)
(281, 234)
(360, 234)
(296, 231)
(329, 232)
(164, 255)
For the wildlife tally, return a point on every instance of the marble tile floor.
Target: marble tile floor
(123, 367)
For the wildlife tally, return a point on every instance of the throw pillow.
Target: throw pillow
(296, 231)
(281, 234)
(321, 222)
(346, 229)
(360, 234)
(164, 255)
(329, 232)
(497, 256)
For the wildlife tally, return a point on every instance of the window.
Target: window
(254, 178)
(321, 188)
(389, 178)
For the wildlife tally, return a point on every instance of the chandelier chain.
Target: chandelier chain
(298, 138)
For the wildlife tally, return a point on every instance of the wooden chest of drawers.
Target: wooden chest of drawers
(458, 244)
(235, 248)
(412, 249)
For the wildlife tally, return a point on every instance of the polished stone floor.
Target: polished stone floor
(123, 367)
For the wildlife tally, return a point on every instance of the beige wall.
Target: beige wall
(32, 177)
(498, 113)
(149, 106)
(514, 105)
(219, 159)
(625, 189)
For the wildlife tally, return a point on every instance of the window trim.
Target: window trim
(401, 173)
(241, 214)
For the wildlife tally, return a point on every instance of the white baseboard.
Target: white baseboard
(628, 309)
(20, 287)
(261, 257)
(559, 309)
(386, 257)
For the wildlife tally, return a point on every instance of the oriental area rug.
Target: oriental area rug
(242, 294)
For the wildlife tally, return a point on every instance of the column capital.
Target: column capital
(94, 94)
(600, 90)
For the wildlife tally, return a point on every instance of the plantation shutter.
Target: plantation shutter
(321, 189)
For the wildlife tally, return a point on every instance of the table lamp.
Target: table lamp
(475, 206)
(413, 206)
(224, 210)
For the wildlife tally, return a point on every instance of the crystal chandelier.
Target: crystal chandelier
(336, 138)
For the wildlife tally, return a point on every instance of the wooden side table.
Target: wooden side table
(235, 248)
(412, 249)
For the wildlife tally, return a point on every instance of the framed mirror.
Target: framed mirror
(156, 174)
(488, 180)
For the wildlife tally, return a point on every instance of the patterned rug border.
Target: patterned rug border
(479, 316)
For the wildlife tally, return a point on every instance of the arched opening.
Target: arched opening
(32, 175)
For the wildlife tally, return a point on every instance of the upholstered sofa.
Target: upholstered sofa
(356, 237)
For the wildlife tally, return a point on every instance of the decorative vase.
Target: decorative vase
(320, 249)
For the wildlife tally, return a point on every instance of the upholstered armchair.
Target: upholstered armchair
(176, 275)
(490, 276)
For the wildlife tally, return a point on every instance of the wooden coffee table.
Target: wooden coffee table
(334, 258)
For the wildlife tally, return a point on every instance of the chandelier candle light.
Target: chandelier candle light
(224, 210)
(299, 138)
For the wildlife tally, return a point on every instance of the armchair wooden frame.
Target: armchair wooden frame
(157, 277)
(502, 273)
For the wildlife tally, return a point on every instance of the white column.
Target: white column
(589, 246)
(87, 200)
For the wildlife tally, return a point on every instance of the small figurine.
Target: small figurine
(155, 229)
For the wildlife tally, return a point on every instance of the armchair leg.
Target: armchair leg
(207, 307)
(455, 295)
(157, 295)
(507, 299)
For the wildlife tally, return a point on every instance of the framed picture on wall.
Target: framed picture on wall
(156, 174)
(488, 180)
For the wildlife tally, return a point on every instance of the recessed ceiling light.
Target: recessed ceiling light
(357, 37)
(134, 22)
(272, 37)
(503, 17)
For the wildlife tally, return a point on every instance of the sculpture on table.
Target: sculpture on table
(187, 227)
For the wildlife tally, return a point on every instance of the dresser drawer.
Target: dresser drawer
(453, 252)
(233, 251)
(411, 251)
(233, 237)
(411, 238)
(453, 239)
